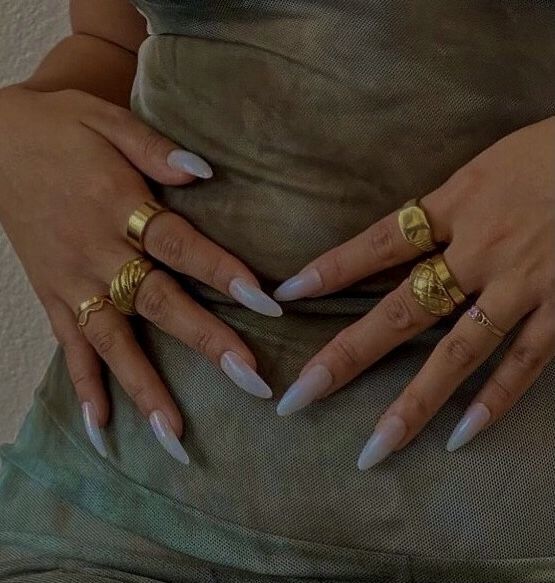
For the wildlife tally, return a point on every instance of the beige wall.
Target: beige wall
(28, 29)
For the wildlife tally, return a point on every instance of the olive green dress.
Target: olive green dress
(318, 117)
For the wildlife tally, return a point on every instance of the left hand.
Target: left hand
(496, 216)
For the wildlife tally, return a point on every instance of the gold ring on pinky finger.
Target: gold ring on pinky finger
(126, 282)
(138, 222)
(429, 291)
(94, 304)
(415, 226)
(479, 316)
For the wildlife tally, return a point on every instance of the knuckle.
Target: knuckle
(215, 271)
(203, 340)
(397, 313)
(151, 143)
(103, 341)
(152, 302)
(500, 391)
(380, 240)
(417, 403)
(526, 358)
(458, 351)
(345, 350)
(84, 379)
(171, 248)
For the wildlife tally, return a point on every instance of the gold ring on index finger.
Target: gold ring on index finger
(415, 226)
(139, 220)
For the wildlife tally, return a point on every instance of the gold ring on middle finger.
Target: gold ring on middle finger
(126, 282)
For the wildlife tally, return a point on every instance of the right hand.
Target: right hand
(70, 177)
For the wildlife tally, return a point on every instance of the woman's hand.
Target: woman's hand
(69, 180)
(497, 217)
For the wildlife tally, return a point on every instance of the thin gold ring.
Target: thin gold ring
(126, 282)
(447, 279)
(94, 304)
(415, 226)
(139, 220)
(479, 316)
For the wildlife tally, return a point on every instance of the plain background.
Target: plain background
(28, 29)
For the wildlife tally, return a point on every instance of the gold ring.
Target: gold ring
(126, 282)
(138, 221)
(89, 306)
(479, 316)
(447, 279)
(415, 227)
(429, 291)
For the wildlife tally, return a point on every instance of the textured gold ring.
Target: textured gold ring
(415, 227)
(447, 279)
(479, 316)
(94, 304)
(139, 220)
(429, 291)
(126, 282)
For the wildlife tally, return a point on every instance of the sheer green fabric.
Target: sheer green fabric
(318, 117)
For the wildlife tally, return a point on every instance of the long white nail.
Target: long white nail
(253, 297)
(314, 382)
(190, 163)
(472, 422)
(90, 419)
(383, 441)
(300, 285)
(243, 375)
(167, 437)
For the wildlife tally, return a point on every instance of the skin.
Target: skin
(495, 221)
(73, 159)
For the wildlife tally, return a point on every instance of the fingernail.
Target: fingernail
(90, 419)
(243, 375)
(472, 422)
(383, 441)
(305, 389)
(167, 437)
(190, 163)
(253, 297)
(300, 285)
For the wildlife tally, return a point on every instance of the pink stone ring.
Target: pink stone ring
(479, 316)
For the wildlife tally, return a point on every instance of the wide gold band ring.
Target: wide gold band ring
(94, 304)
(139, 220)
(434, 287)
(126, 282)
(415, 227)
(479, 316)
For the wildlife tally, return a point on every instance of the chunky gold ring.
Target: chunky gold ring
(138, 221)
(89, 306)
(429, 291)
(126, 282)
(479, 316)
(415, 227)
(447, 279)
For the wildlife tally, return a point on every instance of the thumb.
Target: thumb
(151, 152)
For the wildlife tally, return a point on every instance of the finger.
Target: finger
(161, 300)
(172, 240)
(379, 247)
(395, 319)
(528, 355)
(85, 372)
(455, 357)
(150, 151)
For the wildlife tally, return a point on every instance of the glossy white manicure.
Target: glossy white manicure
(472, 422)
(90, 419)
(383, 441)
(314, 382)
(167, 437)
(243, 375)
(300, 285)
(190, 163)
(253, 297)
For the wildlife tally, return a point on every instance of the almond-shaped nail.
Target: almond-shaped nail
(188, 162)
(314, 382)
(90, 419)
(386, 437)
(472, 422)
(167, 437)
(300, 285)
(243, 375)
(253, 297)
